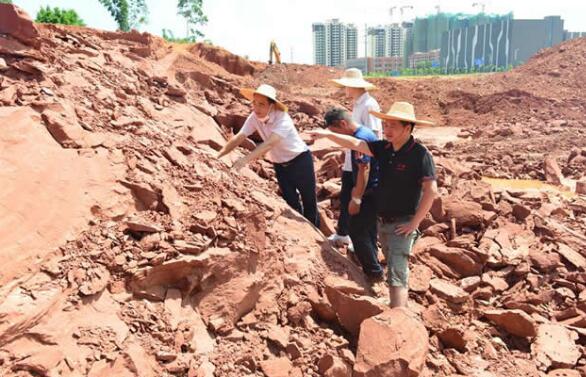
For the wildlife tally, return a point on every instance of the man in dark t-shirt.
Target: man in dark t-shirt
(406, 190)
(362, 206)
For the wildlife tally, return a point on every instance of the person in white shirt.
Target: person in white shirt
(356, 88)
(283, 146)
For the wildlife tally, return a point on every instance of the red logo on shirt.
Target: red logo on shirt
(401, 167)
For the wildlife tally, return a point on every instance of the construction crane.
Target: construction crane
(482, 5)
(402, 9)
(274, 51)
(392, 11)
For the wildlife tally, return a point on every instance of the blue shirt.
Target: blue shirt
(366, 134)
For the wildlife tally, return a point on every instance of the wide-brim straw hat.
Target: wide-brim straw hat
(264, 90)
(352, 78)
(402, 111)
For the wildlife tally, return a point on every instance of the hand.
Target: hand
(318, 133)
(239, 164)
(406, 229)
(353, 208)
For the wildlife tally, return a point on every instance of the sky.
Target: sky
(246, 27)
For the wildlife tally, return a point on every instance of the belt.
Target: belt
(394, 218)
(292, 161)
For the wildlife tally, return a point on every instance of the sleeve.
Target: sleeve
(377, 148)
(368, 136)
(249, 126)
(284, 126)
(371, 121)
(361, 158)
(427, 167)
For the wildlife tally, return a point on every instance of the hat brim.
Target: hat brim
(249, 93)
(353, 83)
(398, 117)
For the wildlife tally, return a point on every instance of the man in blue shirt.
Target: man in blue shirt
(362, 206)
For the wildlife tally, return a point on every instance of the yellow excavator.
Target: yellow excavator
(274, 52)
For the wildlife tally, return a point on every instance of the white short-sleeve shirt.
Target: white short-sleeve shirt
(361, 115)
(280, 123)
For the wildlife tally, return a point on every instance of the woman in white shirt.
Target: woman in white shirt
(289, 154)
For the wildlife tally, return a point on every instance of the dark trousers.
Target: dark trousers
(345, 196)
(363, 232)
(297, 178)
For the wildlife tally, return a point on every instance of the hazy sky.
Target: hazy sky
(246, 27)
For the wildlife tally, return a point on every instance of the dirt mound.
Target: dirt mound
(147, 256)
(565, 61)
(231, 63)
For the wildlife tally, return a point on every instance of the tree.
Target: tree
(128, 14)
(48, 15)
(170, 37)
(6, 1)
(192, 11)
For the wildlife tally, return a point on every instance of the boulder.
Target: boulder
(555, 346)
(553, 173)
(515, 322)
(391, 344)
(448, 291)
(466, 213)
(460, 260)
(16, 23)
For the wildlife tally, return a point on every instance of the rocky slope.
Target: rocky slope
(128, 249)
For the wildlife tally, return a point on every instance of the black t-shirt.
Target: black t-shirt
(401, 175)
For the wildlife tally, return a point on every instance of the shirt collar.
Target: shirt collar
(405, 148)
(272, 116)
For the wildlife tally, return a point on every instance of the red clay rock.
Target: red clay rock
(338, 369)
(564, 373)
(515, 322)
(391, 344)
(351, 310)
(572, 256)
(581, 187)
(232, 63)
(16, 23)
(453, 338)
(521, 212)
(326, 225)
(136, 225)
(448, 291)
(279, 336)
(555, 347)
(276, 367)
(553, 173)
(419, 278)
(64, 129)
(460, 260)
(466, 213)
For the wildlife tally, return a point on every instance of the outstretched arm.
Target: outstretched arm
(257, 152)
(342, 140)
(235, 141)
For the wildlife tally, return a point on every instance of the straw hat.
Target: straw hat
(264, 90)
(403, 111)
(353, 79)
